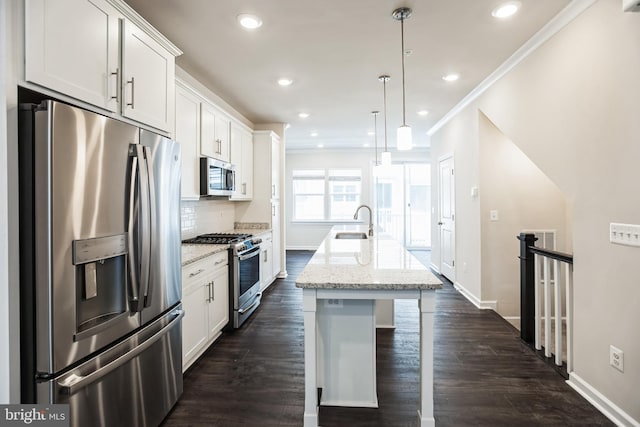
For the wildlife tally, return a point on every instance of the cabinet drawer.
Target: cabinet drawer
(194, 272)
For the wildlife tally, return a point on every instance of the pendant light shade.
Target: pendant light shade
(404, 140)
(385, 157)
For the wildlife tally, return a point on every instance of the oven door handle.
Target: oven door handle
(256, 302)
(250, 254)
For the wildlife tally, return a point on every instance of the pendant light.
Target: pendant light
(403, 140)
(385, 157)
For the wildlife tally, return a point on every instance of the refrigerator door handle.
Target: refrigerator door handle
(145, 226)
(131, 237)
(74, 383)
(152, 223)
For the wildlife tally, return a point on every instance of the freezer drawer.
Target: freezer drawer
(135, 383)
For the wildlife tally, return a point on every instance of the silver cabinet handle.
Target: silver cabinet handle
(196, 273)
(244, 188)
(133, 91)
(273, 190)
(266, 256)
(273, 210)
(117, 75)
(213, 290)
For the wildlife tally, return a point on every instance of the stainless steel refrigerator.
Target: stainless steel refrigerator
(100, 266)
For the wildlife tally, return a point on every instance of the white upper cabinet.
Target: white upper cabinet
(102, 53)
(188, 136)
(72, 47)
(241, 146)
(148, 71)
(214, 135)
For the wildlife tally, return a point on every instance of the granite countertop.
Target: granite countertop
(378, 262)
(193, 252)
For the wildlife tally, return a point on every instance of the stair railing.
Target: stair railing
(541, 271)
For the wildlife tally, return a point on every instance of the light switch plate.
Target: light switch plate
(624, 234)
(493, 215)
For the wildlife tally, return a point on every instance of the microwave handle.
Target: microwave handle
(231, 185)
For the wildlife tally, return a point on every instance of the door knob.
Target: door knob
(440, 223)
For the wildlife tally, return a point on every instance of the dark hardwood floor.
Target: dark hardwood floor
(483, 374)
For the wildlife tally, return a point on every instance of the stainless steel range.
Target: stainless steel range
(244, 272)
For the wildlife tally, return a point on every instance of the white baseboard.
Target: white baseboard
(484, 305)
(434, 268)
(600, 401)
(301, 248)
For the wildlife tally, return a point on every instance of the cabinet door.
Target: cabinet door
(275, 227)
(241, 146)
(275, 169)
(194, 323)
(147, 79)
(218, 302)
(188, 136)
(208, 143)
(222, 125)
(61, 56)
(247, 165)
(266, 266)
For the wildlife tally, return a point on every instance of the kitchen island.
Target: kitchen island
(340, 284)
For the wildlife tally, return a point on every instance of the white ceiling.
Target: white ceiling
(334, 50)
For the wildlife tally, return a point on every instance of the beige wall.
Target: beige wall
(572, 108)
(525, 200)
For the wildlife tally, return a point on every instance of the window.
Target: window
(326, 194)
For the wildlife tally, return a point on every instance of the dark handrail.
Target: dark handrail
(560, 256)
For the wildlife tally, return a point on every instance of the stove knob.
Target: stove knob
(241, 248)
(256, 241)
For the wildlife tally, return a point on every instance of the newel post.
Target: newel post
(527, 288)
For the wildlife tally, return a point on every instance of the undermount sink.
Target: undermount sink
(351, 235)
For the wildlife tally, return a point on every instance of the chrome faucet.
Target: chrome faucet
(355, 216)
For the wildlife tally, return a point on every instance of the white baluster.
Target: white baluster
(547, 307)
(538, 325)
(558, 310)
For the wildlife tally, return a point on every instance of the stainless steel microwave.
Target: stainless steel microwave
(217, 178)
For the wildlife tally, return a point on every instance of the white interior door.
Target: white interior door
(446, 199)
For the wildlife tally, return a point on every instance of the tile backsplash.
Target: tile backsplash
(206, 216)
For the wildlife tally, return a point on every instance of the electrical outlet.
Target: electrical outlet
(333, 302)
(493, 215)
(616, 358)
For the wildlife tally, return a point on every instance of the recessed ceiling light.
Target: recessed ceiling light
(320, 145)
(284, 81)
(250, 22)
(366, 144)
(451, 77)
(303, 115)
(371, 133)
(423, 112)
(506, 10)
(314, 134)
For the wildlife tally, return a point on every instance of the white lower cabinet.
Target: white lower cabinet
(205, 300)
(266, 261)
